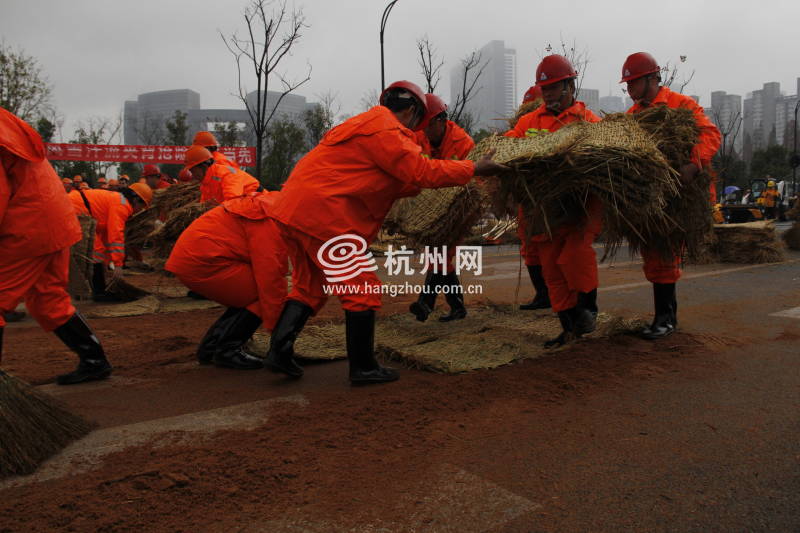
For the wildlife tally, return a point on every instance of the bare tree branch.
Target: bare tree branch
(469, 75)
(431, 67)
(272, 32)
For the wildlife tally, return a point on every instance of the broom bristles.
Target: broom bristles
(33, 427)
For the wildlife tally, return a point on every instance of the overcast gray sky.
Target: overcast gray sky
(99, 53)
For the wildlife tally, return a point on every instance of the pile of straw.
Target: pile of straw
(792, 236)
(164, 237)
(165, 201)
(750, 243)
(554, 175)
(437, 217)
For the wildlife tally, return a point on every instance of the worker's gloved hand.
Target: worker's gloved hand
(486, 166)
(688, 172)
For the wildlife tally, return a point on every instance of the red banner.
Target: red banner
(244, 155)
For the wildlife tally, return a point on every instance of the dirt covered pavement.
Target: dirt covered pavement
(699, 431)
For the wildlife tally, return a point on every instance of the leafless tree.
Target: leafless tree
(468, 76)
(578, 57)
(729, 128)
(369, 100)
(99, 130)
(272, 31)
(669, 74)
(322, 117)
(430, 64)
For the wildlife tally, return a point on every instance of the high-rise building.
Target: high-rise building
(759, 118)
(612, 104)
(144, 119)
(590, 97)
(495, 97)
(784, 119)
(726, 113)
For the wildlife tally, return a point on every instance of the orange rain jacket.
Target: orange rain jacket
(111, 211)
(224, 182)
(456, 143)
(36, 217)
(656, 269)
(220, 158)
(37, 227)
(540, 120)
(349, 181)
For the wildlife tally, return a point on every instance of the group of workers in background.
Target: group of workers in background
(238, 254)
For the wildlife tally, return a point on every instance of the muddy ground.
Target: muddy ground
(699, 431)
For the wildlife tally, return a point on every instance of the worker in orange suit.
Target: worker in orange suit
(528, 249)
(643, 75)
(67, 183)
(231, 256)
(568, 260)
(442, 139)
(37, 228)
(333, 204)
(111, 210)
(154, 178)
(207, 140)
(218, 182)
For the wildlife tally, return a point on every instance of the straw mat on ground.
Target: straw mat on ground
(489, 337)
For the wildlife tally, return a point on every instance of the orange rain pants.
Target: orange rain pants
(42, 282)
(569, 262)
(235, 261)
(361, 293)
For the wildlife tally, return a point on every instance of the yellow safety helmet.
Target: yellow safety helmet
(770, 183)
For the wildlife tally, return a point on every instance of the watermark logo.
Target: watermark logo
(344, 257)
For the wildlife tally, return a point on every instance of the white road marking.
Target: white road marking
(88, 453)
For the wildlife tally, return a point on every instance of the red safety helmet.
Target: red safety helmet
(532, 94)
(554, 68)
(151, 170)
(435, 106)
(185, 175)
(638, 65)
(415, 91)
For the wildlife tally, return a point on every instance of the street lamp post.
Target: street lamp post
(794, 154)
(384, 19)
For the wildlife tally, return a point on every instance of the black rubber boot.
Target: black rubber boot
(280, 357)
(79, 338)
(455, 298)
(542, 298)
(567, 327)
(235, 327)
(364, 369)
(665, 319)
(210, 343)
(424, 305)
(588, 300)
(99, 293)
(585, 313)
